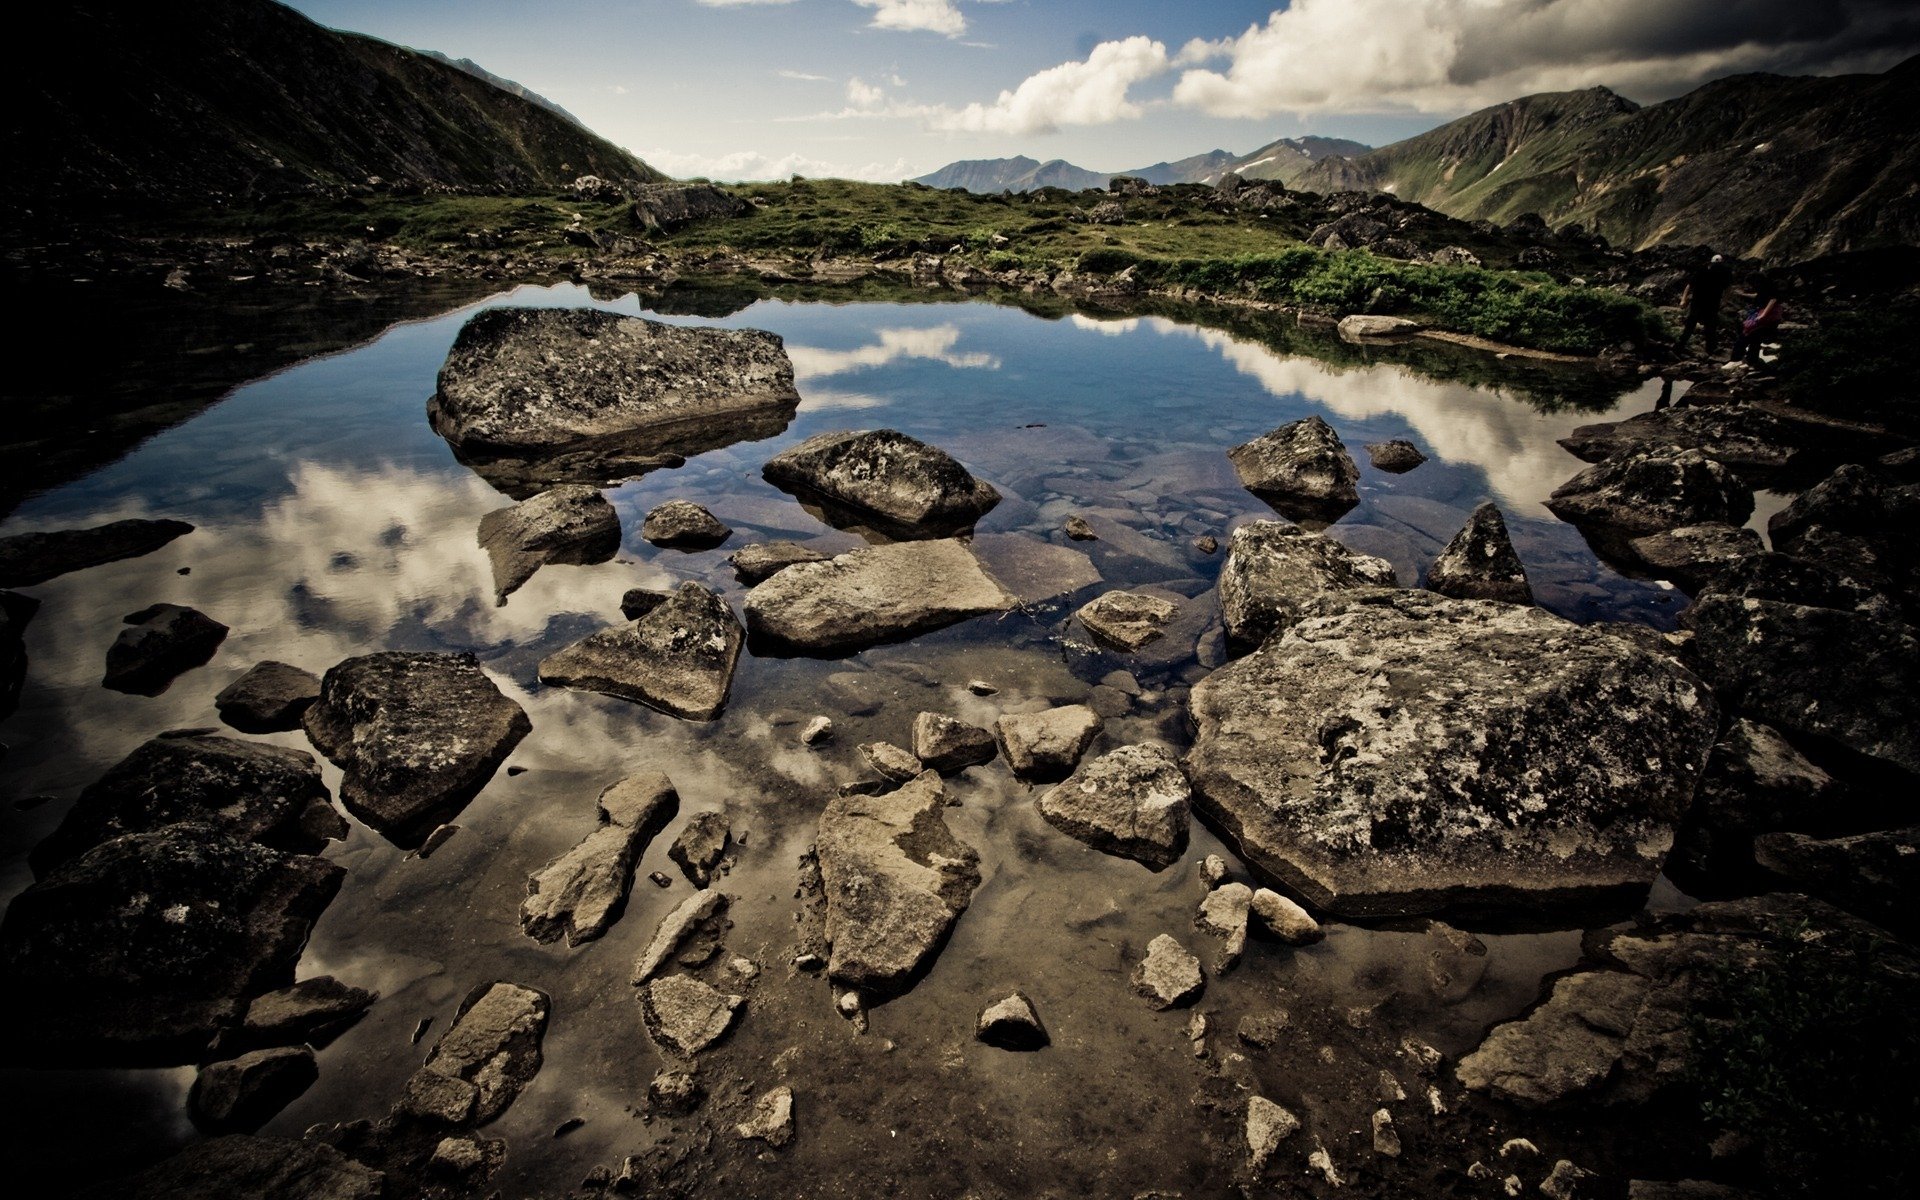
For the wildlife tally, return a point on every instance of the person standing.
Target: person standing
(1759, 322)
(1701, 300)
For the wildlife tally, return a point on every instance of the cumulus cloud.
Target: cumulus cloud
(1093, 92)
(934, 16)
(935, 343)
(1452, 55)
(803, 76)
(865, 95)
(741, 165)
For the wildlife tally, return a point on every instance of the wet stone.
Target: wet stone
(1168, 976)
(756, 563)
(891, 761)
(696, 912)
(1756, 782)
(638, 602)
(1873, 875)
(1274, 569)
(948, 745)
(163, 641)
(241, 1094)
(1284, 919)
(1652, 491)
(685, 1015)
(678, 658)
(1456, 961)
(1045, 746)
(581, 893)
(1128, 620)
(1011, 1023)
(493, 1045)
(312, 1011)
(269, 698)
(684, 525)
(27, 559)
(1301, 469)
(817, 731)
(416, 736)
(1694, 555)
(675, 1093)
(1268, 1125)
(1397, 456)
(1132, 802)
(244, 1167)
(567, 524)
(1076, 527)
(1223, 913)
(900, 482)
(772, 1119)
(702, 844)
(873, 595)
(1480, 563)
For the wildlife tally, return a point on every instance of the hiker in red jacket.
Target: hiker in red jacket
(1759, 322)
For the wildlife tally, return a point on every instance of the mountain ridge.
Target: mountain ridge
(1281, 159)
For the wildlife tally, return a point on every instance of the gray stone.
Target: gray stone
(1132, 802)
(756, 563)
(1274, 569)
(1694, 555)
(1652, 491)
(684, 525)
(895, 879)
(1011, 1024)
(1128, 620)
(1873, 875)
(685, 1015)
(162, 641)
(1358, 326)
(1045, 746)
(948, 745)
(772, 1119)
(493, 1044)
(568, 524)
(241, 1094)
(679, 658)
(1284, 919)
(695, 912)
(1750, 439)
(1756, 782)
(891, 761)
(269, 698)
(581, 893)
(1456, 961)
(1223, 913)
(27, 559)
(884, 476)
(1397, 752)
(1480, 563)
(1268, 1125)
(873, 595)
(415, 735)
(1301, 469)
(702, 844)
(675, 1093)
(242, 1167)
(669, 206)
(1397, 456)
(311, 1011)
(1569, 1046)
(1168, 976)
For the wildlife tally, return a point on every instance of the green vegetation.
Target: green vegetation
(1812, 1053)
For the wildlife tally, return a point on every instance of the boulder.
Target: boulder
(872, 595)
(883, 476)
(1652, 491)
(27, 559)
(1011, 1024)
(684, 525)
(1168, 976)
(1397, 456)
(675, 1093)
(1132, 802)
(895, 880)
(270, 698)
(570, 524)
(1273, 569)
(242, 1167)
(1359, 327)
(534, 396)
(248, 790)
(1398, 752)
(143, 948)
(701, 846)
(1301, 469)
(312, 1012)
(242, 1094)
(581, 893)
(1480, 563)
(1694, 555)
(1753, 442)
(1223, 913)
(493, 1046)
(772, 1119)
(678, 658)
(162, 641)
(1128, 620)
(947, 745)
(1131, 185)
(756, 563)
(669, 206)
(1873, 875)
(1755, 782)
(415, 735)
(685, 1016)
(1045, 746)
(695, 912)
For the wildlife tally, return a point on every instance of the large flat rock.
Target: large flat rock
(886, 477)
(30, 558)
(1397, 752)
(581, 893)
(678, 658)
(493, 1046)
(872, 595)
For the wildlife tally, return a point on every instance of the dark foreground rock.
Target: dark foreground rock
(1875, 876)
(1480, 563)
(312, 1011)
(1133, 802)
(30, 558)
(947, 745)
(896, 880)
(872, 595)
(1301, 469)
(684, 525)
(884, 476)
(161, 642)
(1695, 555)
(1754, 442)
(1273, 569)
(581, 893)
(416, 735)
(248, 790)
(146, 946)
(1756, 782)
(701, 846)
(15, 611)
(242, 1094)
(669, 206)
(489, 1053)
(270, 698)
(1651, 491)
(241, 1167)
(567, 524)
(1397, 752)
(678, 658)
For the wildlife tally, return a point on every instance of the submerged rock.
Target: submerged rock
(1396, 752)
(678, 658)
(685, 1015)
(144, 947)
(248, 790)
(896, 880)
(1046, 746)
(1011, 1024)
(1301, 469)
(1128, 620)
(242, 1094)
(1132, 802)
(416, 736)
(1694, 555)
(1652, 491)
(163, 641)
(242, 1167)
(702, 843)
(1480, 563)
(582, 892)
(270, 698)
(1274, 569)
(27, 559)
(311, 1011)
(908, 486)
(693, 913)
(1397, 456)
(684, 525)
(756, 563)
(947, 745)
(493, 1047)
(873, 595)
(568, 524)
(1168, 976)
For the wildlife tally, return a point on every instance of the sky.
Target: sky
(889, 89)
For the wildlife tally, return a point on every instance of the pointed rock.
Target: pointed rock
(1045, 746)
(1301, 469)
(1274, 569)
(567, 524)
(1267, 1126)
(1011, 1024)
(1132, 802)
(702, 843)
(1479, 563)
(947, 745)
(581, 893)
(685, 1015)
(678, 658)
(692, 913)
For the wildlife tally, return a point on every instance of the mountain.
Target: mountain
(1282, 160)
(1020, 174)
(131, 103)
(1287, 159)
(1187, 170)
(504, 84)
(1765, 166)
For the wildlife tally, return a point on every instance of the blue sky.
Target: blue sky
(884, 89)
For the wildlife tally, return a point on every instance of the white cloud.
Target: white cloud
(934, 16)
(1093, 92)
(738, 3)
(751, 164)
(1446, 56)
(804, 77)
(935, 343)
(865, 95)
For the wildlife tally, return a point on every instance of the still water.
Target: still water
(331, 521)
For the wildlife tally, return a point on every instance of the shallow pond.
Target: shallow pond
(331, 521)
